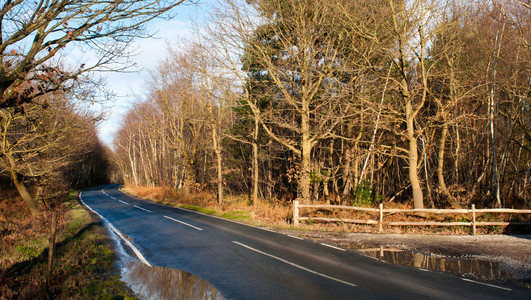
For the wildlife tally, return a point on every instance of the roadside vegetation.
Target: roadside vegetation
(49, 141)
(84, 263)
(272, 213)
(418, 103)
(237, 208)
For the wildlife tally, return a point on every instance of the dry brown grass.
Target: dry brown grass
(233, 207)
(272, 213)
(23, 236)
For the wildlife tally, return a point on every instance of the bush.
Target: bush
(365, 195)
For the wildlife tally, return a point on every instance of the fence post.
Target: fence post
(380, 221)
(51, 247)
(473, 219)
(296, 212)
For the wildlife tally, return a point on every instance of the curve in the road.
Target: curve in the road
(245, 262)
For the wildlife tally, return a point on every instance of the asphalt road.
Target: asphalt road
(245, 262)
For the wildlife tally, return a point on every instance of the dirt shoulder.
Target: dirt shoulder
(513, 250)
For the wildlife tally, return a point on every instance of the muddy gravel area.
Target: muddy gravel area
(489, 257)
(516, 248)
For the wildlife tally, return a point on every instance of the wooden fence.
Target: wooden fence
(381, 211)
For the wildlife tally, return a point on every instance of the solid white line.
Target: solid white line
(295, 265)
(124, 202)
(118, 233)
(491, 285)
(184, 223)
(333, 247)
(142, 208)
(295, 237)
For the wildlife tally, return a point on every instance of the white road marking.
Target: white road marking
(295, 265)
(124, 202)
(103, 191)
(295, 237)
(333, 247)
(184, 223)
(371, 257)
(118, 233)
(142, 208)
(491, 285)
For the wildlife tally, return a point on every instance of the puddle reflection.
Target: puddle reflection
(166, 283)
(477, 268)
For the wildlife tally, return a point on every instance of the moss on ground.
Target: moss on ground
(200, 209)
(237, 215)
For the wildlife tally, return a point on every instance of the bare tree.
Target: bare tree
(35, 147)
(295, 43)
(35, 34)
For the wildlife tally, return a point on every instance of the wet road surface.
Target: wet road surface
(244, 262)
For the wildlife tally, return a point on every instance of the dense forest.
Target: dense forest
(352, 102)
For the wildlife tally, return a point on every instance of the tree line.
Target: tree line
(51, 53)
(345, 101)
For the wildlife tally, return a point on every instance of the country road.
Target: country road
(245, 262)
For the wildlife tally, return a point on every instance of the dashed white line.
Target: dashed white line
(486, 284)
(142, 208)
(295, 237)
(333, 247)
(184, 223)
(124, 202)
(295, 265)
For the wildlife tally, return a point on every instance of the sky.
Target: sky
(130, 87)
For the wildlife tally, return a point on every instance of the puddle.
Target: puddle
(476, 268)
(159, 282)
(166, 283)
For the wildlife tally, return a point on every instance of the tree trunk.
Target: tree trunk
(217, 150)
(26, 196)
(189, 177)
(306, 145)
(21, 188)
(492, 112)
(440, 165)
(418, 200)
(255, 163)
(132, 161)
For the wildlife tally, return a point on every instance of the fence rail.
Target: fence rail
(381, 211)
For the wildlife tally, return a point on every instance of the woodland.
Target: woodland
(347, 102)
(53, 54)
(423, 102)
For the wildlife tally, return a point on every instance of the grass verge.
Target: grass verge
(84, 265)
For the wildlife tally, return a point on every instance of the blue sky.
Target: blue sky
(129, 87)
